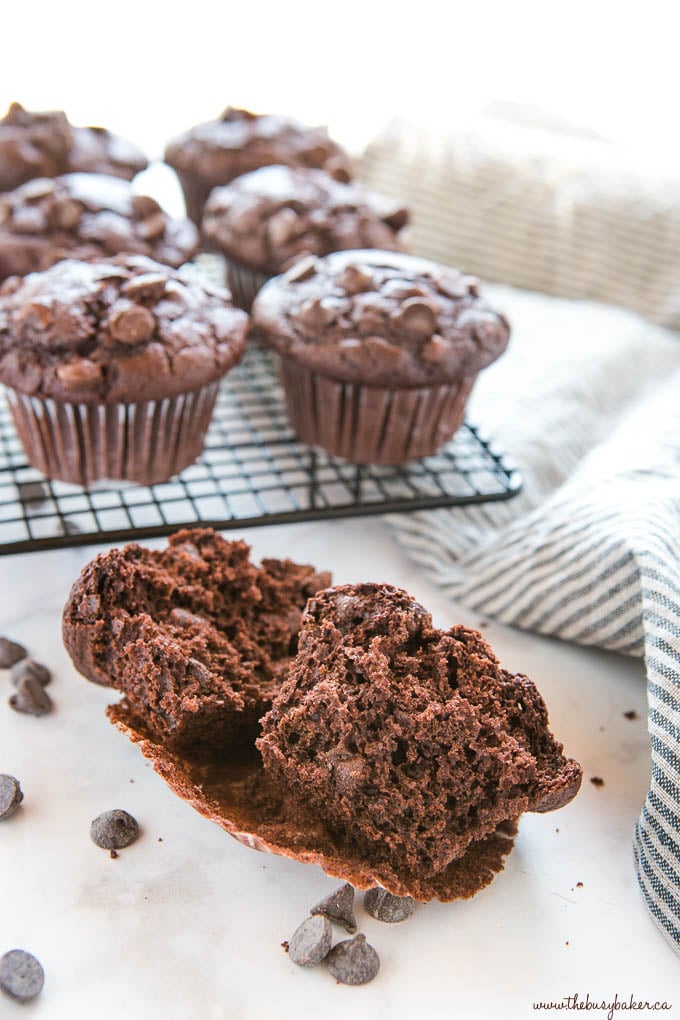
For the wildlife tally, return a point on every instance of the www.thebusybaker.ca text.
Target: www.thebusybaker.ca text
(610, 1007)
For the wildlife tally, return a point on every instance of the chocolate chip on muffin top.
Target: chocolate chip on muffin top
(122, 329)
(380, 318)
(240, 141)
(271, 217)
(85, 216)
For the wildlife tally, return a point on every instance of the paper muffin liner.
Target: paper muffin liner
(244, 283)
(195, 191)
(145, 442)
(372, 424)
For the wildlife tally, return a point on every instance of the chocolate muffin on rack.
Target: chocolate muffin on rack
(46, 144)
(265, 221)
(86, 216)
(379, 351)
(112, 366)
(240, 141)
(196, 636)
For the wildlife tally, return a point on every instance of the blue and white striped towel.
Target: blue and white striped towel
(587, 402)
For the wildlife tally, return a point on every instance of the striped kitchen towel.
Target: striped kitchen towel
(586, 402)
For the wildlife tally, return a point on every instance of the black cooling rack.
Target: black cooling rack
(252, 471)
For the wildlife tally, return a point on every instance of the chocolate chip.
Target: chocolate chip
(435, 350)
(311, 942)
(383, 906)
(146, 287)
(630, 714)
(21, 975)
(10, 652)
(29, 667)
(152, 227)
(183, 618)
(355, 280)
(417, 317)
(38, 188)
(144, 206)
(319, 312)
(64, 213)
(80, 374)
(10, 796)
(597, 781)
(31, 698)
(114, 830)
(130, 323)
(353, 962)
(338, 907)
(302, 270)
(282, 226)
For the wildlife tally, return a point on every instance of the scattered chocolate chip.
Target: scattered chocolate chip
(353, 962)
(338, 907)
(147, 287)
(383, 906)
(597, 781)
(10, 796)
(10, 652)
(311, 942)
(21, 975)
(114, 830)
(114, 855)
(29, 667)
(285, 945)
(579, 885)
(31, 698)
(631, 714)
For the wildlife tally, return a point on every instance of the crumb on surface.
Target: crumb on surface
(597, 781)
(630, 714)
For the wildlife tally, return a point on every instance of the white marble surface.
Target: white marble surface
(191, 926)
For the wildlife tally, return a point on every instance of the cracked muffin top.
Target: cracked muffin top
(240, 141)
(85, 216)
(380, 318)
(270, 218)
(110, 330)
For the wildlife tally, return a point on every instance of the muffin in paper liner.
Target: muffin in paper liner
(370, 424)
(146, 442)
(379, 351)
(112, 366)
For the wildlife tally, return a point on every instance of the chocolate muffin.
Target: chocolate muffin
(265, 221)
(46, 145)
(112, 366)
(86, 216)
(240, 141)
(413, 743)
(379, 351)
(195, 636)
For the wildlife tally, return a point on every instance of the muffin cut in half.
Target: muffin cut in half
(392, 753)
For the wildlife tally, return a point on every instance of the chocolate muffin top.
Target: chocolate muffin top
(271, 217)
(122, 329)
(411, 741)
(85, 216)
(45, 144)
(380, 318)
(241, 141)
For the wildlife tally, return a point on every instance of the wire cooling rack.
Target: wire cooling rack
(252, 471)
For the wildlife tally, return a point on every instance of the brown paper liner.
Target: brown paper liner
(372, 424)
(146, 442)
(196, 192)
(239, 796)
(244, 283)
